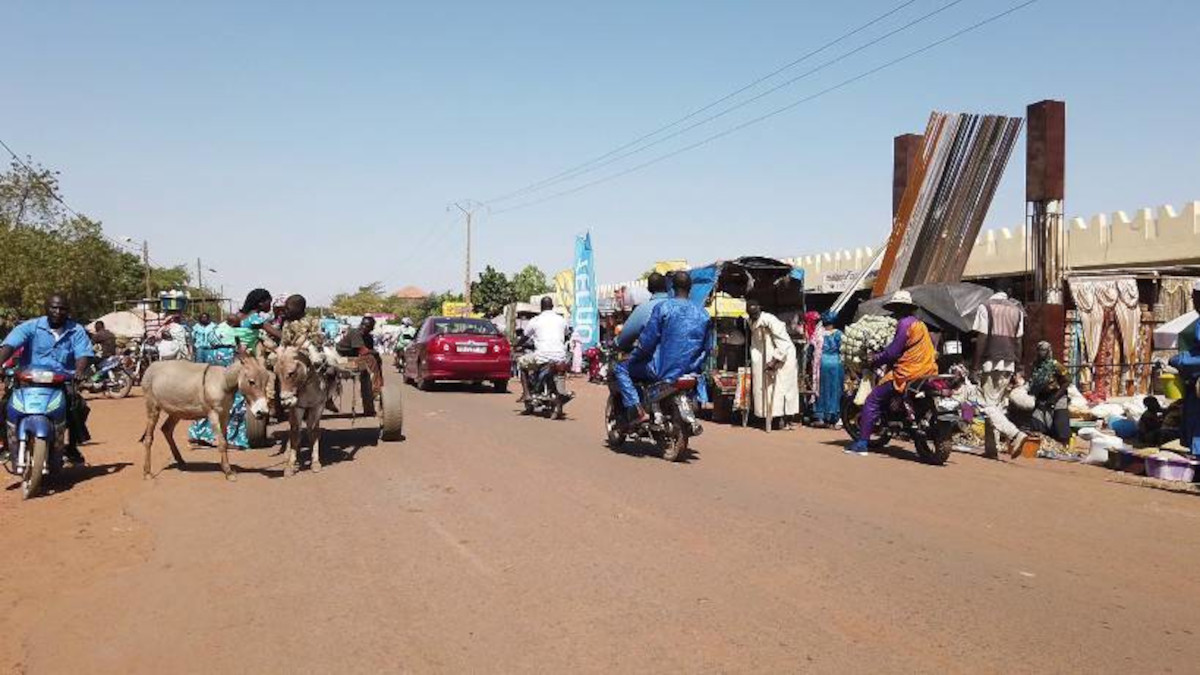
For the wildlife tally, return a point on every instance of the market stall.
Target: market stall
(723, 288)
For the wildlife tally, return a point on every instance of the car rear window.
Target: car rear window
(464, 327)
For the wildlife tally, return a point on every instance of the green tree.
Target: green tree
(530, 281)
(492, 292)
(369, 299)
(48, 248)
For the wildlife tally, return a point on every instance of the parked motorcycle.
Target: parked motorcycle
(36, 428)
(110, 378)
(671, 406)
(926, 414)
(548, 391)
(138, 356)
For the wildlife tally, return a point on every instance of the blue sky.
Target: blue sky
(315, 148)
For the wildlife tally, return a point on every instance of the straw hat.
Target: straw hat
(900, 299)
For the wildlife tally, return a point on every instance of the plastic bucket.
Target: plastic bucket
(1172, 386)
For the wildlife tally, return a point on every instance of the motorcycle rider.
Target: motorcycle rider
(408, 333)
(911, 356)
(657, 285)
(673, 343)
(548, 332)
(55, 341)
(103, 341)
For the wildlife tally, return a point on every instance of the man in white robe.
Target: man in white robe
(775, 369)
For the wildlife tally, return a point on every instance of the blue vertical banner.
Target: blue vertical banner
(585, 315)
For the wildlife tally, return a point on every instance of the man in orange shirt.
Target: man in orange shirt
(910, 355)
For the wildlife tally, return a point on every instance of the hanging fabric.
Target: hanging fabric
(1129, 320)
(1091, 316)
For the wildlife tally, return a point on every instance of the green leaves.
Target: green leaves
(47, 249)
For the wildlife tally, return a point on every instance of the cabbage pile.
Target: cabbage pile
(869, 335)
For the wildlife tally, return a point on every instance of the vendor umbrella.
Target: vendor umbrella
(1167, 336)
(944, 306)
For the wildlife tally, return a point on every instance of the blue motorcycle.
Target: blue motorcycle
(37, 425)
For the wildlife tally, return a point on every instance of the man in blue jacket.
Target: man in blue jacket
(56, 342)
(657, 285)
(672, 344)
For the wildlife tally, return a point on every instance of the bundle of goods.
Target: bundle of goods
(864, 338)
(860, 341)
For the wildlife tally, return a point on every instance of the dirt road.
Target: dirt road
(492, 542)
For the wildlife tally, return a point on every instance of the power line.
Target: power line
(787, 83)
(787, 66)
(58, 198)
(772, 113)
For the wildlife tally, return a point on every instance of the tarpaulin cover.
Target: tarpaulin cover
(708, 279)
(944, 306)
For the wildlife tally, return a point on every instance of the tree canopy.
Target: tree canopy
(48, 249)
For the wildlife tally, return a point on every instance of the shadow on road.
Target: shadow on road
(72, 476)
(889, 451)
(647, 450)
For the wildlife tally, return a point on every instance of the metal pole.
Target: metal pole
(467, 277)
(146, 262)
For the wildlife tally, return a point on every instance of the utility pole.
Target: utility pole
(468, 208)
(146, 262)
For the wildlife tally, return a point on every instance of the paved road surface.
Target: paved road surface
(491, 542)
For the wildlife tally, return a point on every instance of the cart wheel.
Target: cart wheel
(391, 420)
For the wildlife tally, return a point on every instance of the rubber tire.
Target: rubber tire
(256, 432)
(501, 386)
(124, 390)
(850, 413)
(422, 383)
(39, 454)
(612, 425)
(938, 455)
(675, 446)
(391, 413)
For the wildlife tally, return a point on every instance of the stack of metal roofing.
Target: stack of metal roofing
(953, 181)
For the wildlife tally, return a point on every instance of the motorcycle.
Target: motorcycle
(110, 378)
(548, 390)
(597, 363)
(138, 356)
(926, 414)
(671, 406)
(36, 427)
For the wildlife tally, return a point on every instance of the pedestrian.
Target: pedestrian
(204, 335)
(1187, 362)
(832, 375)
(1000, 325)
(774, 366)
(1048, 385)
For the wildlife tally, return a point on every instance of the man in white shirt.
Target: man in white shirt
(548, 332)
(1000, 323)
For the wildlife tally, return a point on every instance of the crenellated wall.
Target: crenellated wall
(1165, 236)
(1151, 237)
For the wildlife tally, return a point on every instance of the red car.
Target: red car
(459, 350)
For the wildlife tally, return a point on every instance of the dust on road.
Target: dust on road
(489, 541)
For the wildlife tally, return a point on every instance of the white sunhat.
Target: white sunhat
(899, 298)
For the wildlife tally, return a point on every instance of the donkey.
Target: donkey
(303, 391)
(191, 391)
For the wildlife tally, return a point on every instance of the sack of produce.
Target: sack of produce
(863, 339)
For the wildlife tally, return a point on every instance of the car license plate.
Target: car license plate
(472, 348)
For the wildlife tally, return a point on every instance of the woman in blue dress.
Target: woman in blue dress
(828, 408)
(240, 329)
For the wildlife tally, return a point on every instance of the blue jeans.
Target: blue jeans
(626, 372)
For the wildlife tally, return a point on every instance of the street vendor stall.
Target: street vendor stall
(723, 288)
